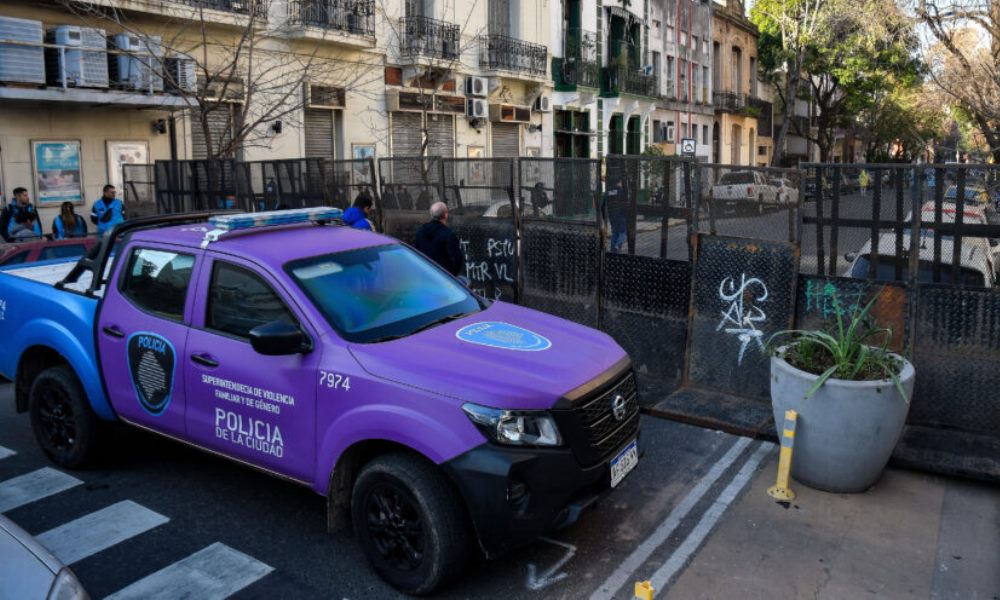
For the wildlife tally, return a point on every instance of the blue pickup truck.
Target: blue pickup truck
(336, 358)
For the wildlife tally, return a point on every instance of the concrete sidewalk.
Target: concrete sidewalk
(912, 535)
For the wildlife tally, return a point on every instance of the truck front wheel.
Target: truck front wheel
(61, 419)
(410, 522)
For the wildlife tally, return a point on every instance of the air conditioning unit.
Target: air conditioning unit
(476, 108)
(138, 63)
(22, 64)
(477, 86)
(543, 104)
(182, 76)
(80, 67)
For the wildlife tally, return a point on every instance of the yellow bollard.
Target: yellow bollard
(780, 489)
(644, 590)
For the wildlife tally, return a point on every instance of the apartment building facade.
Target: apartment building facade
(737, 92)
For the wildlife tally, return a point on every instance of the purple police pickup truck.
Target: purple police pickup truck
(336, 358)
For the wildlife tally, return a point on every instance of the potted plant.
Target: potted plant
(851, 394)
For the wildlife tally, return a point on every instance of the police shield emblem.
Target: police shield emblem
(151, 361)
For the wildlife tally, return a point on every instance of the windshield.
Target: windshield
(380, 293)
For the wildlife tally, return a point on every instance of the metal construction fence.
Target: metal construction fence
(691, 267)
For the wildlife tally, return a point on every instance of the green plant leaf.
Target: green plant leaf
(820, 381)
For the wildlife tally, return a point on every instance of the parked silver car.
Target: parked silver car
(27, 570)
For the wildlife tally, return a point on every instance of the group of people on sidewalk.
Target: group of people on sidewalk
(19, 220)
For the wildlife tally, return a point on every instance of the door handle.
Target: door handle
(113, 331)
(204, 359)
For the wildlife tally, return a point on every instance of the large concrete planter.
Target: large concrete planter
(846, 431)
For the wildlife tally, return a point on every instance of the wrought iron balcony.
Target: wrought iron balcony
(349, 16)
(423, 36)
(503, 53)
(729, 102)
(628, 79)
(257, 8)
(578, 65)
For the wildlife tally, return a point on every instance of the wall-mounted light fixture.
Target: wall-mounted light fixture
(160, 126)
(276, 127)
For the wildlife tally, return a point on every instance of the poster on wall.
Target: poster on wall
(361, 169)
(476, 174)
(57, 172)
(124, 153)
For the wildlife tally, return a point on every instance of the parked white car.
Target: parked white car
(788, 192)
(745, 189)
(978, 260)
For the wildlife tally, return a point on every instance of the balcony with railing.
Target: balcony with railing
(729, 102)
(257, 8)
(351, 17)
(504, 53)
(628, 78)
(223, 13)
(424, 37)
(578, 66)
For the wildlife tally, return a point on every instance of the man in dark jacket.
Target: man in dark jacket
(8, 218)
(440, 243)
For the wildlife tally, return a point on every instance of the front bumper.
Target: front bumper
(516, 494)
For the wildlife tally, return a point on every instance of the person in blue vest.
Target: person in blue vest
(68, 224)
(357, 215)
(108, 211)
(8, 218)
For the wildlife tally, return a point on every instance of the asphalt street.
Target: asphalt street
(773, 225)
(181, 502)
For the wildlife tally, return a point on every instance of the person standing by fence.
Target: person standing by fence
(863, 182)
(438, 242)
(357, 215)
(108, 211)
(68, 224)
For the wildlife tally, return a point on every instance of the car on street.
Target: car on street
(749, 190)
(788, 192)
(430, 418)
(28, 252)
(28, 570)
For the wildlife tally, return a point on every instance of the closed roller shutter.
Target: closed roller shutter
(441, 136)
(406, 137)
(319, 133)
(506, 140)
(220, 124)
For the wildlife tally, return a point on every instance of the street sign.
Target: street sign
(688, 146)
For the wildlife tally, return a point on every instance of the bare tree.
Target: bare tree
(964, 59)
(248, 68)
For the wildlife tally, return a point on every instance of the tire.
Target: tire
(423, 542)
(64, 425)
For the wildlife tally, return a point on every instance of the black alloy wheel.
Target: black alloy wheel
(58, 423)
(395, 526)
(62, 420)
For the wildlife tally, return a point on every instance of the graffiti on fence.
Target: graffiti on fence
(824, 299)
(743, 315)
(488, 274)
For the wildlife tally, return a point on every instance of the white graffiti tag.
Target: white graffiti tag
(742, 315)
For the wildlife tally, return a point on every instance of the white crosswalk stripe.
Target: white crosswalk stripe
(34, 486)
(99, 530)
(213, 573)
(5, 452)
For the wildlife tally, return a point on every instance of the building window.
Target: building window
(669, 137)
(704, 46)
(669, 35)
(670, 77)
(753, 76)
(683, 79)
(704, 134)
(694, 42)
(736, 69)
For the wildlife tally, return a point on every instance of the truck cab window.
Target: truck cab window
(157, 281)
(239, 300)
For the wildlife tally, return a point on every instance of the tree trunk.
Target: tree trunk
(791, 92)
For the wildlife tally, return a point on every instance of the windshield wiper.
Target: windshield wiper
(389, 338)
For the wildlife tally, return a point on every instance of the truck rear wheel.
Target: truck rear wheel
(410, 522)
(63, 423)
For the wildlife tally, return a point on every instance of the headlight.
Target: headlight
(67, 587)
(514, 427)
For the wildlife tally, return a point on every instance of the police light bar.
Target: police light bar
(223, 224)
(275, 217)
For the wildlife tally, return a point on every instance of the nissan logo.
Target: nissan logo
(618, 407)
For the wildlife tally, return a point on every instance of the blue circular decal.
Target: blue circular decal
(503, 335)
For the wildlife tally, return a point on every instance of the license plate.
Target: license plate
(622, 464)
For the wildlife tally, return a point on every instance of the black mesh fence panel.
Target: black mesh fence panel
(564, 189)
(139, 190)
(748, 202)
(192, 185)
(300, 183)
(480, 186)
(411, 183)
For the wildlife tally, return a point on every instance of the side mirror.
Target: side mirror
(850, 256)
(278, 338)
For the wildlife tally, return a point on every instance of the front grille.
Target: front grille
(605, 432)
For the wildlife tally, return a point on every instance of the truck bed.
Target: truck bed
(51, 273)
